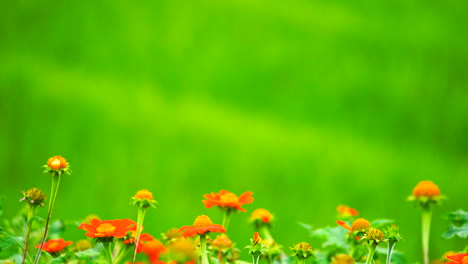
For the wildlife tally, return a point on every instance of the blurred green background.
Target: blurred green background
(307, 103)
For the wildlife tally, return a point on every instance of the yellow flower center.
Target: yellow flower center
(360, 224)
(105, 228)
(375, 234)
(144, 194)
(202, 221)
(55, 163)
(229, 198)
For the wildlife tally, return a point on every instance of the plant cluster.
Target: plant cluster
(114, 241)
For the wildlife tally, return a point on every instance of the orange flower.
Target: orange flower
(144, 194)
(426, 189)
(201, 226)
(262, 215)
(221, 242)
(153, 250)
(345, 211)
(461, 258)
(227, 200)
(108, 228)
(55, 245)
(57, 162)
(359, 224)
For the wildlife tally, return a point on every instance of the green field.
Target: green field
(308, 104)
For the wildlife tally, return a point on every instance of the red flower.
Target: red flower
(108, 228)
(461, 258)
(55, 245)
(201, 226)
(227, 200)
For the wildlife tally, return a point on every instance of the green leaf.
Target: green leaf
(379, 223)
(6, 240)
(90, 253)
(36, 218)
(458, 217)
(62, 258)
(461, 232)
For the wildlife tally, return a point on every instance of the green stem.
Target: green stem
(28, 231)
(53, 195)
(301, 261)
(140, 217)
(108, 252)
(391, 246)
(226, 218)
(265, 231)
(426, 230)
(255, 258)
(370, 255)
(203, 252)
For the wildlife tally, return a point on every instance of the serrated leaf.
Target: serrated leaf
(458, 217)
(461, 232)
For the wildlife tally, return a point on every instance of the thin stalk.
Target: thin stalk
(370, 255)
(28, 231)
(53, 195)
(426, 230)
(391, 246)
(265, 231)
(203, 252)
(140, 218)
(226, 218)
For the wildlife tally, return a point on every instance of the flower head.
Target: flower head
(302, 250)
(221, 242)
(143, 199)
(374, 236)
(425, 193)
(55, 245)
(426, 188)
(108, 228)
(227, 200)
(360, 225)
(346, 211)
(171, 235)
(34, 197)
(153, 250)
(82, 245)
(256, 247)
(261, 216)
(256, 238)
(182, 250)
(202, 225)
(342, 259)
(57, 165)
(461, 258)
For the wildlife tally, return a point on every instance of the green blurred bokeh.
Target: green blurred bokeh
(309, 104)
